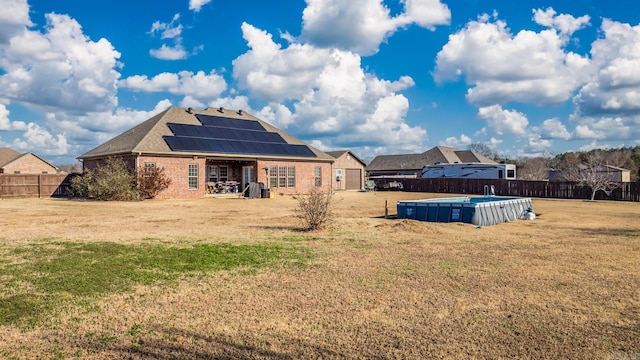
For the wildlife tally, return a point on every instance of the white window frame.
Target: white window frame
(192, 176)
(291, 176)
(317, 176)
(273, 176)
(224, 173)
(213, 173)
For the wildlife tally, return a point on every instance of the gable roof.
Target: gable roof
(438, 154)
(615, 168)
(7, 155)
(149, 136)
(338, 153)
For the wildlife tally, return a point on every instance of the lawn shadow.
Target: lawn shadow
(281, 228)
(176, 343)
(388, 217)
(613, 232)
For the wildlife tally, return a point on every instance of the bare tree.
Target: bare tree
(593, 173)
(536, 168)
(70, 168)
(483, 150)
(314, 209)
(151, 181)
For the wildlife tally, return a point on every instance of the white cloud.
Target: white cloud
(14, 17)
(8, 124)
(615, 88)
(527, 67)
(608, 128)
(41, 139)
(554, 129)
(196, 5)
(361, 26)
(277, 115)
(538, 144)
(190, 102)
(170, 31)
(608, 106)
(60, 68)
(169, 52)
(501, 121)
(493, 142)
(328, 95)
(33, 137)
(425, 13)
(88, 131)
(199, 85)
(594, 145)
(272, 74)
(565, 24)
(584, 132)
(461, 142)
(512, 122)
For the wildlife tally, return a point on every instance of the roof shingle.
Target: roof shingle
(438, 154)
(147, 137)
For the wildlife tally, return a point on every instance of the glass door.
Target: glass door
(248, 175)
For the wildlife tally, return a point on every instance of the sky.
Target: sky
(525, 78)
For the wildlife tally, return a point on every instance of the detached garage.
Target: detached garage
(348, 170)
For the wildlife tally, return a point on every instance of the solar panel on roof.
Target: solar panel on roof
(182, 143)
(212, 132)
(222, 121)
(219, 134)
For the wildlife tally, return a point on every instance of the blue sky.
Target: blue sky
(526, 78)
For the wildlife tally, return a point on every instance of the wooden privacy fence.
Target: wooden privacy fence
(520, 188)
(36, 185)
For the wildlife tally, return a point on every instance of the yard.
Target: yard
(236, 278)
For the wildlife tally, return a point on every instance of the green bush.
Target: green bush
(113, 180)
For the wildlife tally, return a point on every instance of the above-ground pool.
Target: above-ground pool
(481, 211)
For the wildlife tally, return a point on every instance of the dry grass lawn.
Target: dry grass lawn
(566, 285)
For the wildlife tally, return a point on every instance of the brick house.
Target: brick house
(12, 162)
(217, 150)
(348, 170)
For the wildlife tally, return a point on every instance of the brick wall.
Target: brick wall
(177, 169)
(305, 180)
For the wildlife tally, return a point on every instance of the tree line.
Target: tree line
(537, 168)
(586, 168)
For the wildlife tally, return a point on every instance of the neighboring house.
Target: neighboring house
(12, 162)
(348, 170)
(213, 149)
(612, 173)
(411, 165)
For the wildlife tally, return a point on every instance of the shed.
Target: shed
(348, 170)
